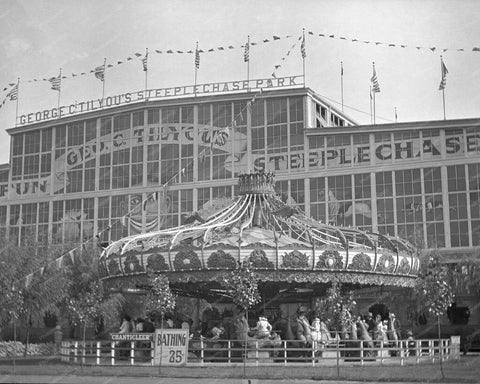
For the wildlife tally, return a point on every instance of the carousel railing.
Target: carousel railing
(288, 352)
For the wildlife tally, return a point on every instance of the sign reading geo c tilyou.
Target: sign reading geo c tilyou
(158, 93)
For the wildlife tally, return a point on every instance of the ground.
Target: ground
(466, 370)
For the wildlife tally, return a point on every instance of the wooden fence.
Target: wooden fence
(233, 352)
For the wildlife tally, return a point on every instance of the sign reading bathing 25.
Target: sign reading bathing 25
(171, 346)
(151, 94)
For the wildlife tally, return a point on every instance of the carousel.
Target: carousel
(291, 253)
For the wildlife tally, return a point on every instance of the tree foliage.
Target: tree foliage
(433, 291)
(159, 299)
(87, 300)
(242, 286)
(336, 308)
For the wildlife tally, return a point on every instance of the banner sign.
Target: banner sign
(131, 336)
(171, 346)
(234, 149)
(159, 93)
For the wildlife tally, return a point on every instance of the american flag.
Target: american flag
(302, 48)
(374, 80)
(246, 54)
(13, 94)
(145, 62)
(444, 70)
(55, 83)
(100, 72)
(197, 58)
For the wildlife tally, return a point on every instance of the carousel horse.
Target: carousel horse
(365, 337)
(392, 333)
(242, 329)
(320, 332)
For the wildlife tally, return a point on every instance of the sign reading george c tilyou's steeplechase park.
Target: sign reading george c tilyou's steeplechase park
(159, 93)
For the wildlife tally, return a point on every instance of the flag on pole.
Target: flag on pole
(55, 83)
(13, 94)
(302, 47)
(341, 68)
(145, 62)
(374, 80)
(246, 54)
(100, 72)
(197, 58)
(444, 70)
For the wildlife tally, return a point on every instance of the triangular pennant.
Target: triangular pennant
(211, 50)
(28, 280)
(138, 54)
(59, 262)
(72, 256)
(42, 270)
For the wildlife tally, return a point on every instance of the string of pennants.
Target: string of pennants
(143, 57)
(394, 45)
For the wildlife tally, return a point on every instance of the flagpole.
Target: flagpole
(371, 110)
(59, 91)
(146, 73)
(303, 59)
(341, 73)
(248, 63)
(374, 110)
(395, 114)
(104, 70)
(444, 112)
(195, 84)
(16, 104)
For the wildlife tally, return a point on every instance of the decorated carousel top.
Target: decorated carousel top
(281, 243)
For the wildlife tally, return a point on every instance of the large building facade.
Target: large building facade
(89, 176)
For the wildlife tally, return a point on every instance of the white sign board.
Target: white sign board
(171, 346)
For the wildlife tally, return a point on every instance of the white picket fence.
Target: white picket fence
(233, 352)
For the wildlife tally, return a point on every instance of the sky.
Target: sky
(38, 37)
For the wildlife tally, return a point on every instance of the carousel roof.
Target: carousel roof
(281, 242)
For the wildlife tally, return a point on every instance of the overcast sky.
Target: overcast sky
(40, 37)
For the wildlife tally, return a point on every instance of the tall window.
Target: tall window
(457, 201)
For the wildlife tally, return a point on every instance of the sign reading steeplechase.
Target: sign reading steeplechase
(159, 93)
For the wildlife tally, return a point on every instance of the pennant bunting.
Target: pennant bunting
(72, 256)
(59, 262)
(28, 280)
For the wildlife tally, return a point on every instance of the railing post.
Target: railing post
(361, 353)
(229, 352)
(202, 353)
(381, 352)
(112, 352)
(284, 352)
(152, 353)
(256, 353)
(132, 353)
(75, 351)
(98, 352)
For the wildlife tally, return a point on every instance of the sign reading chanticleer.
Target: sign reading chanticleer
(158, 93)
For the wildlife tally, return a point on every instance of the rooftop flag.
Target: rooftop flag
(55, 83)
(374, 80)
(145, 62)
(246, 54)
(444, 70)
(100, 72)
(197, 58)
(302, 48)
(13, 94)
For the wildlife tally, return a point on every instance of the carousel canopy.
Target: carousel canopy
(281, 243)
